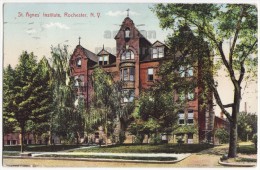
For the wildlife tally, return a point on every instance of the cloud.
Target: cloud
(57, 25)
(31, 31)
(120, 13)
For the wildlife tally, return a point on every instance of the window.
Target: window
(181, 117)
(103, 60)
(161, 52)
(129, 96)
(78, 62)
(191, 95)
(150, 74)
(100, 61)
(158, 52)
(190, 117)
(190, 138)
(182, 96)
(132, 73)
(182, 71)
(127, 74)
(127, 33)
(127, 55)
(186, 71)
(190, 71)
(154, 54)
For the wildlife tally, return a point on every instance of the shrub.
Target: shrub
(222, 135)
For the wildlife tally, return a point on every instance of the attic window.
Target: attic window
(103, 60)
(78, 62)
(127, 33)
(158, 52)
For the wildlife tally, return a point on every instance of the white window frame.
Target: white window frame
(181, 115)
(190, 117)
(150, 72)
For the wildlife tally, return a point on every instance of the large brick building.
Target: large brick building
(136, 63)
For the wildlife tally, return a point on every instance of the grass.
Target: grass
(41, 148)
(247, 149)
(112, 157)
(148, 148)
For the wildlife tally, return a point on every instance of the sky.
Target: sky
(26, 29)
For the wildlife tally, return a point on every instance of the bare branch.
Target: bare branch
(228, 105)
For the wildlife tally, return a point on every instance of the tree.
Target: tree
(9, 123)
(222, 135)
(23, 102)
(217, 24)
(38, 123)
(106, 108)
(158, 110)
(63, 116)
(247, 125)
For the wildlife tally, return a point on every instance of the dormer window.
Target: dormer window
(157, 52)
(127, 33)
(78, 62)
(127, 55)
(103, 60)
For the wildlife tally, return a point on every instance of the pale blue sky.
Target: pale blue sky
(39, 33)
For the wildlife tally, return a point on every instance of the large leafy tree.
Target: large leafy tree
(24, 100)
(63, 117)
(218, 24)
(9, 123)
(106, 108)
(247, 125)
(38, 123)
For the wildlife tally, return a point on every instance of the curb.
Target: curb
(99, 160)
(236, 164)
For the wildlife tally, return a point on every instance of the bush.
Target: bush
(156, 140)
(139, 139)
(222, 135)
(254, 140)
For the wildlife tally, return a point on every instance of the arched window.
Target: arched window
(127, 33)
(127, 55)
(78, 61)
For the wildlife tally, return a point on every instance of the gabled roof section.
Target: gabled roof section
(123, 25)
(158, 44)
(90, 55)
(104, 52)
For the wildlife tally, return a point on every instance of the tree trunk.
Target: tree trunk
(22, 139)
(232, 153)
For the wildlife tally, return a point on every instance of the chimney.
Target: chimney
(245, 107)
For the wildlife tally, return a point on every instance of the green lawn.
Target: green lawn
(247, 149)
(147, 148)
(41, 148)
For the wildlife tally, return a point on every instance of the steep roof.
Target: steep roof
(90, 55)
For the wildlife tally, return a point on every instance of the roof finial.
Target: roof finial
(128, 12)
(79, 40)
(103, 46)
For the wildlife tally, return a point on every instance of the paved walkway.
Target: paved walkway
(206, 158)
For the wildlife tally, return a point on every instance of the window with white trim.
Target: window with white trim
(150, 74)
(127, 33)
(190, 71)
(128, 95)
(157, 52)
(181, 117)
(103, 60)
(191, 95)
(190, 117)
(78, 61)
(127, 55)
(127, 74)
